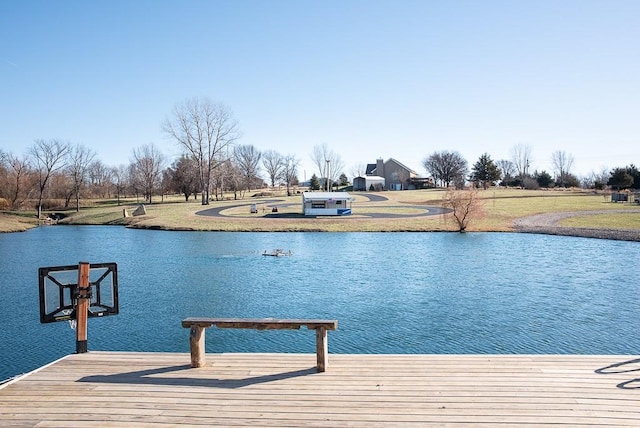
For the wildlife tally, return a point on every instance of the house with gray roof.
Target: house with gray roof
(397, 176)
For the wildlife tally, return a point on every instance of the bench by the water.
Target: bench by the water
(198, 326)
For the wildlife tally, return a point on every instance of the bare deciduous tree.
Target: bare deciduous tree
(446, 167)
(49, 157)
(328, 162)
(147, 164)
(18, 171)
(3, 174)
(183, 177)
(232, 178)
(596, 180)
(79, 161)
(101, 179)
(359, 170)
(273, 163)
(521, 157)
(508, 170)
(120, 180)
(5, 182)
(290, 171)
(205, 130)
(562, 163)
(247, 160)
(465, 206)
(134, 181)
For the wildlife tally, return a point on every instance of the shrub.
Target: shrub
(52, 204)
(530, 184)
(465, 206)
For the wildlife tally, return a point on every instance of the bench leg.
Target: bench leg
(196, 344)
(322, 350)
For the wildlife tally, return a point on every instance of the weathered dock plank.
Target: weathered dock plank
(161, 389)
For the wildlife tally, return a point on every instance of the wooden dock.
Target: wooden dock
(265, 390)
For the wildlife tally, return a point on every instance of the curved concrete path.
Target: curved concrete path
(428, 210)
(373, 197)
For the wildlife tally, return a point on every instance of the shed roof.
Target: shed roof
(325, 196)
(372, 178)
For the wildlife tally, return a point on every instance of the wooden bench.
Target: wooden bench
(198, 326)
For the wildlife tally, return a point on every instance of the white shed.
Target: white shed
(326, 203)
(367, 182)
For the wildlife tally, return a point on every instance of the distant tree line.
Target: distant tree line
(449, 168)
(58, 174)
(55, 174)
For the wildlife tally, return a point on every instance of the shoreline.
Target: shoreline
(520, 226)
(547, 224)
(578, 232)
(388, 217)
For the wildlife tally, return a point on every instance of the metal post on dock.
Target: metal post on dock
(82, 308)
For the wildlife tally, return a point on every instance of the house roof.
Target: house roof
(370, 168)
(324, 196)
(401, 164)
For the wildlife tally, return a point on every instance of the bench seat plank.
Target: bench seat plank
(199, 324)
(260, 323)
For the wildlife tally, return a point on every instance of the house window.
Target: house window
(338, 202)
(317, 204)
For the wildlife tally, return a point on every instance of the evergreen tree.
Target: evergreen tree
(635, 174)
(620, 179)
(544, 179)
(344, 181)
(485, 171)
(314, 183)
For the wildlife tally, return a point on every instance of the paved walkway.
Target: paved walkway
(427, 210)
(373, 197)
(217, 211)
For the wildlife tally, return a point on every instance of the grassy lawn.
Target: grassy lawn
(499, 208)
(12, 222)
(630, 220)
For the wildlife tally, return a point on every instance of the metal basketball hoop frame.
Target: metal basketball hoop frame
(62, 299)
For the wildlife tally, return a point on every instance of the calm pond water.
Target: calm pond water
(390, 292)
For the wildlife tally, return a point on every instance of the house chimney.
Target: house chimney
(380, 167)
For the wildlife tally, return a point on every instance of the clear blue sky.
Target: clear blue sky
(371, 79)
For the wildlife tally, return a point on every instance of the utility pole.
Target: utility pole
(328, 175)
